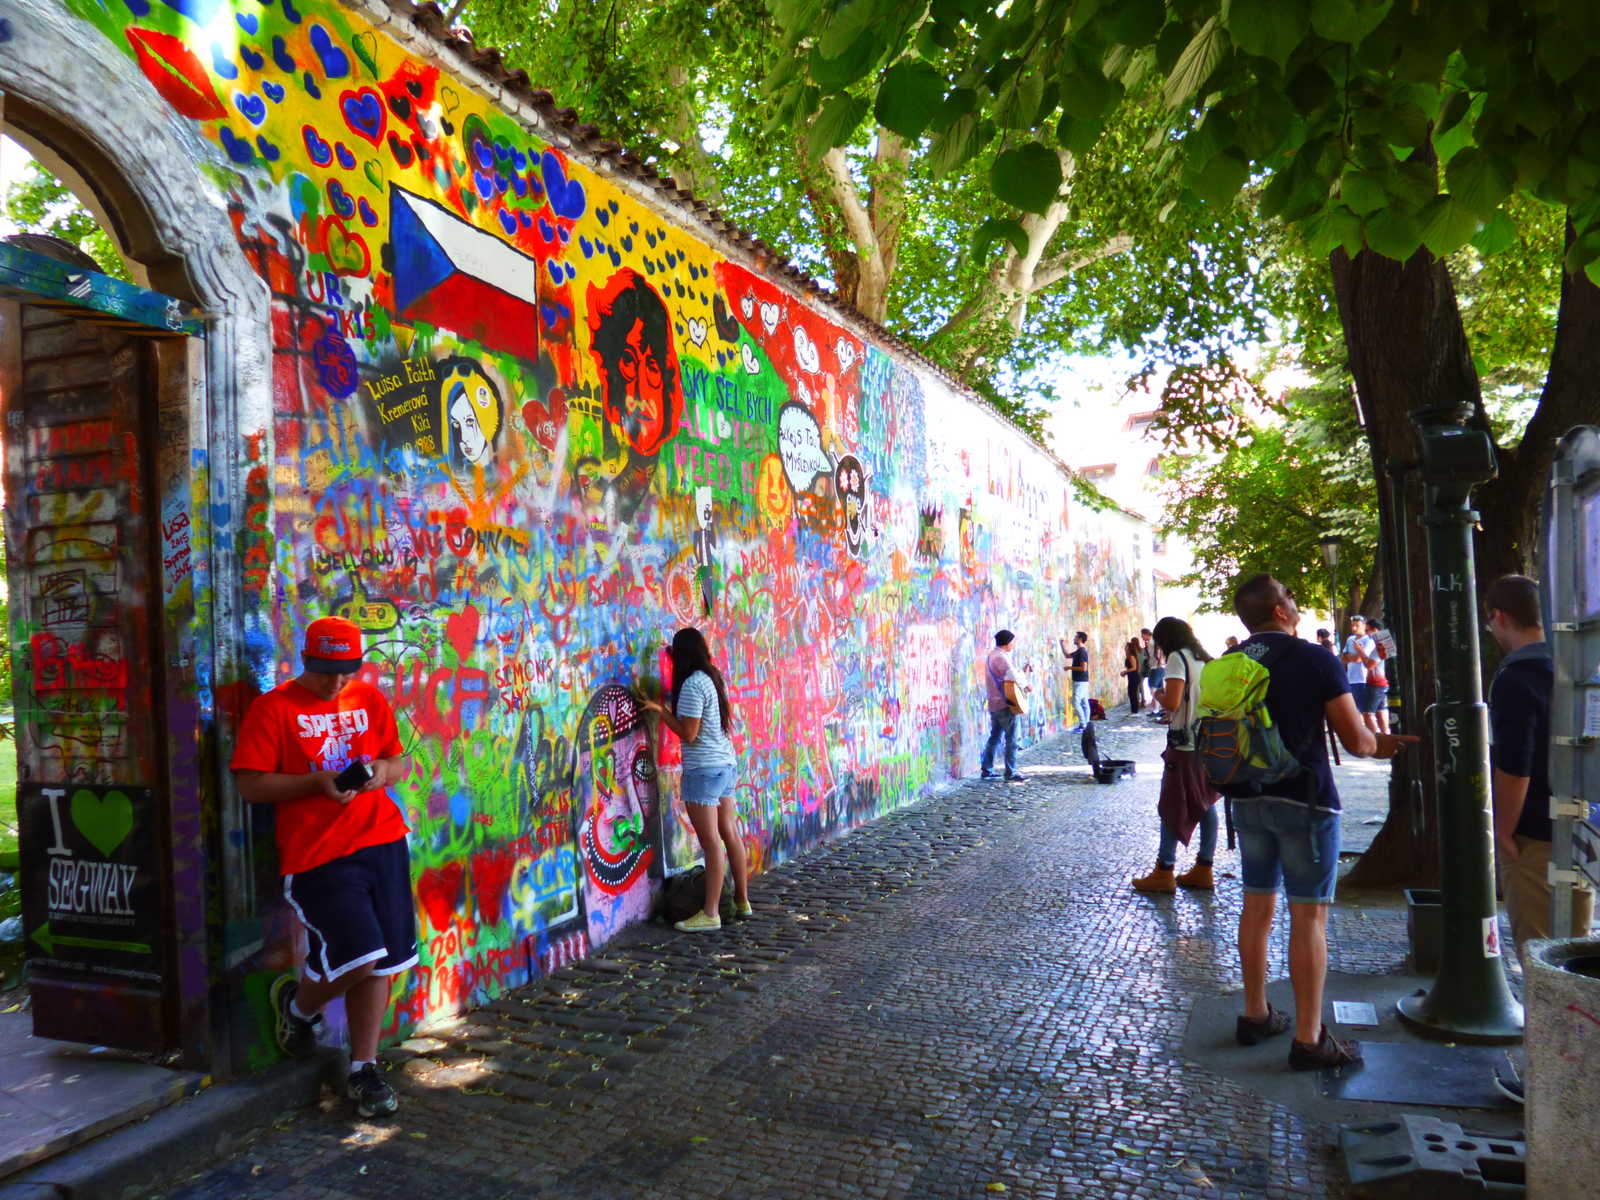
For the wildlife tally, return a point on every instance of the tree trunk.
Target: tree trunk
(1388, 310)
(1408, 354)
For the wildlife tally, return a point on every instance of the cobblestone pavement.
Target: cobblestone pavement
(960, 1000)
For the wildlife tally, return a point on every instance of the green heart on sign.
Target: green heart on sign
(105, 820)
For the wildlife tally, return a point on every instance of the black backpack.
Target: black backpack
(684, 894)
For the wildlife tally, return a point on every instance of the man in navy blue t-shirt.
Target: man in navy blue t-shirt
(1519, 715)
(1289, 836)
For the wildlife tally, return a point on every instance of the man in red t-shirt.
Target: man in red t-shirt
(323, 748)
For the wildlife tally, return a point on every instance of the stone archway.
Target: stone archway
(95, 121)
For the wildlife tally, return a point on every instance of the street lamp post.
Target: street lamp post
(1330, 543)
(1469, 1000)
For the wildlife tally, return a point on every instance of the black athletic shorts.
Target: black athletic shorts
(357, 910)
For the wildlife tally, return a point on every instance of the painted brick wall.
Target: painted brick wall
(527, 423)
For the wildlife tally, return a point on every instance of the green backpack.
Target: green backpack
(1239, 746)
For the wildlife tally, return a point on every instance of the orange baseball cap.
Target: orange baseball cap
(333, 646)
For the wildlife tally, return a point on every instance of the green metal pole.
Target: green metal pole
(1469, 1001)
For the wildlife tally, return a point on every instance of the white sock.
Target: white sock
(294, 1010)
(356, 1065)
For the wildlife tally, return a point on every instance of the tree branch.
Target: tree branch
(1052, 273)
(695, 168)
(872, 288)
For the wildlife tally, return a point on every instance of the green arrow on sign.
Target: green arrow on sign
(50, 941)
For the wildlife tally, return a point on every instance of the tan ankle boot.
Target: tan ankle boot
(1159, 880)
(1197, 876)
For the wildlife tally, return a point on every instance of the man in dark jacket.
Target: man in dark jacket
(1519, 715)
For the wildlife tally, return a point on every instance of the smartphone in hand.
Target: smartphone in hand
(352, 777)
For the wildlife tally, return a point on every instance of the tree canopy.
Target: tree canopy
(1374, 125)
(1267, 499)
(877, 212)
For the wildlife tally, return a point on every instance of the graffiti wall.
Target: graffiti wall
(526, 423)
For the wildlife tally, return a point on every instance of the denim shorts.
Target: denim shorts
(1289, 844)
(1361, 693)
(709, 785)
(1377, 697)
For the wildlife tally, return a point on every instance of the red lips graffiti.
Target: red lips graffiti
(175, 72)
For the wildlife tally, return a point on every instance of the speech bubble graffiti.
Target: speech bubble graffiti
(800, 445)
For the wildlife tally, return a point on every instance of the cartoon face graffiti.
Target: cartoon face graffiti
(631, 341)
(617, 784)
(472, 410)
(851, 480)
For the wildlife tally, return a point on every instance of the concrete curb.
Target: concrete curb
(138, 1160)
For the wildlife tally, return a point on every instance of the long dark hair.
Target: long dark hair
(690, 654)
(1173, 635)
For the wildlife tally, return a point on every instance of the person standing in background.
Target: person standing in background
(1519, 717)
(1003, 694)
(1360, 654)
(1078, 673)
(1133, 673)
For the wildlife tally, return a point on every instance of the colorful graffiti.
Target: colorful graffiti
(525, 425)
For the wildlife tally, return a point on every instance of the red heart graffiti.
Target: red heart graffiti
(439, 889)
(491, 875)
(545, 422)
(461, 631)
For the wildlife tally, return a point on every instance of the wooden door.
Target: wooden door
(84, 593)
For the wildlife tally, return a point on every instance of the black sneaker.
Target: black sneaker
(1016, 777)
(1248, 1031)
(296, 1036)
(371, 1092)
(1328, 1052)
(1509, 1084)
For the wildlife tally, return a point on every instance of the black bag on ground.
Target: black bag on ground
(684, 894)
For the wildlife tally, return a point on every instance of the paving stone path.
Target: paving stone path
(961, 1000)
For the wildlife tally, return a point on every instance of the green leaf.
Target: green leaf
(1347, 21)
(1393, 233)
(1027, 177)
(909, 97)
(839, 72)
(1363, 191)
(1219, 181)
(1332, 229)
(1195, 65)
(850, 20)
(997, 229)
(1087, 93)
(1268, 28)
(958, 103)
(1018, 104)
(1479, 180)
(954, 146)
(1447, 225)
(1558, 51)
(1456, 105)
(840, 117)
(1134, 22)
(1497, 236)
(1078, 135)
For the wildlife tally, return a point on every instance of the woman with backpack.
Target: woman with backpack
(1187, 798)
(700, 715)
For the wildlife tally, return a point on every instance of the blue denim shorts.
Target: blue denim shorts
(710, 785)
(1361, 693)
(1377, 698)
(1289, 844)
